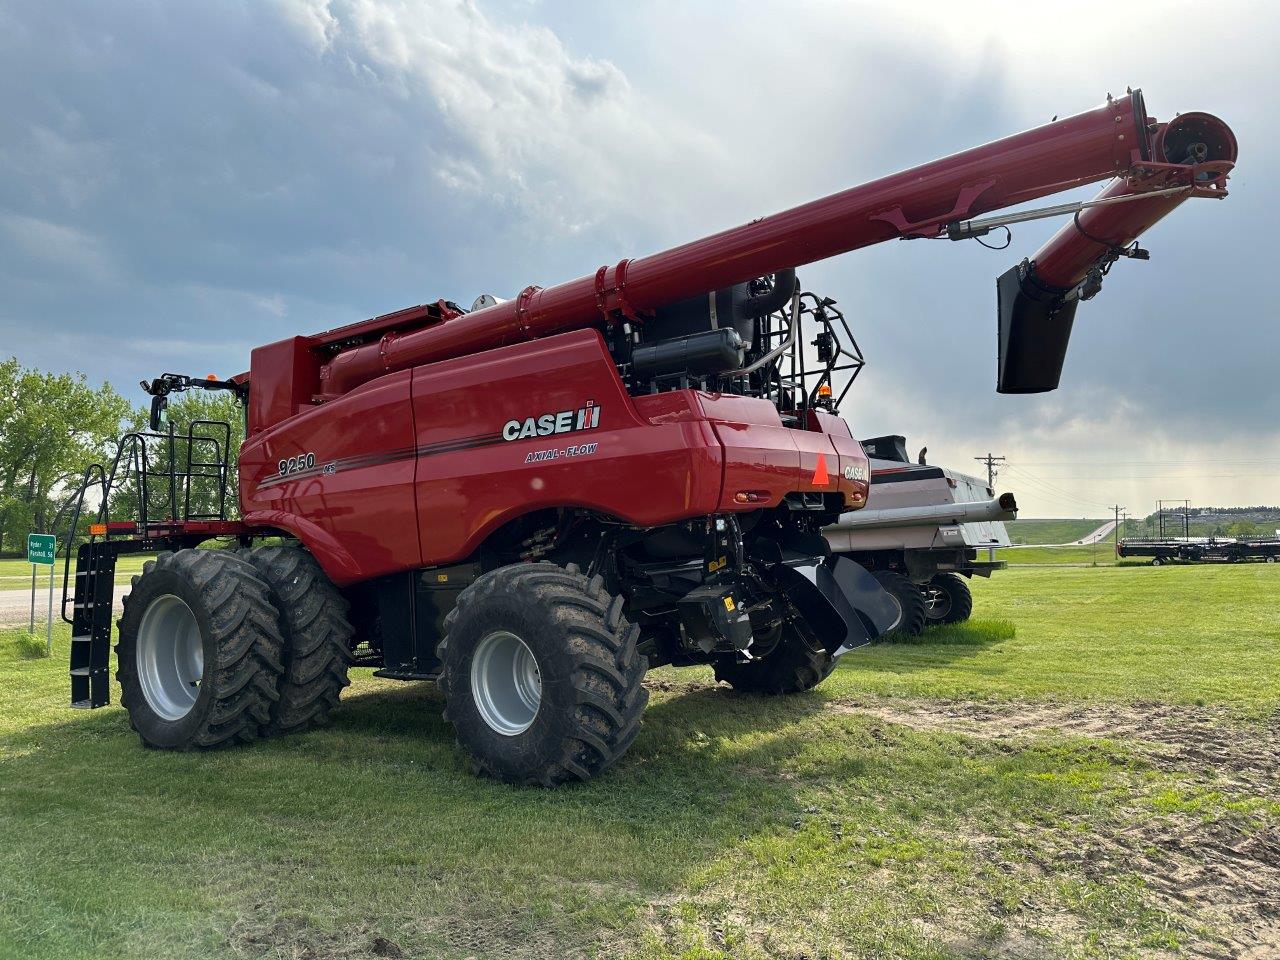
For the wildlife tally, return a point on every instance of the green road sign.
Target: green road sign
(41, 548)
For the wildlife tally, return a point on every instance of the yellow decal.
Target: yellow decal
(715, 565)
(728, 604)
(442, 578)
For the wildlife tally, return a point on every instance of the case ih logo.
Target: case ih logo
(566, 421)
(854, 473)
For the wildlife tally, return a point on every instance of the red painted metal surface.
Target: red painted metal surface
(352, 499)
(413, 469)
(1069, 255)
(1077, 150)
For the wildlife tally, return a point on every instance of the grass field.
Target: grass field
(14, 573)
(1050, 531)
(1096, 554)
(1089, 770)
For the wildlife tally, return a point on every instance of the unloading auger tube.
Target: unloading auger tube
(1194, 152)
(1003, 507)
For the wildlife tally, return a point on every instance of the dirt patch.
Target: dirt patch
(1241, 756)
(1219, 878)
(1221, 884)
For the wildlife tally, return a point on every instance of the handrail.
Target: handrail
(132, 459)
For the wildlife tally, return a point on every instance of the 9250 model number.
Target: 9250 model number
(303, 461)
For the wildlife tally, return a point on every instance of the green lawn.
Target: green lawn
(14, 573)
(1096, 554)
(1050, 531)
(1037, 784)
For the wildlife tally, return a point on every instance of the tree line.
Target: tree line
(54, 425)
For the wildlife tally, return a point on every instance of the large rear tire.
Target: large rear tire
(540, 673)
(199, 652)
(948, 599)
(317, 638)
(797, 663)
(909, 600)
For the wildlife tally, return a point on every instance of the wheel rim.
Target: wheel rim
(937, 602)
(506, 683)
(170, 657)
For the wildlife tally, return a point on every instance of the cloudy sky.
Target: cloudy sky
(181, 182)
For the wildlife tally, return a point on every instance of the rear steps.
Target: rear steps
(91, 625)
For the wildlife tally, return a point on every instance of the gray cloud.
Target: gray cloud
(213, 177)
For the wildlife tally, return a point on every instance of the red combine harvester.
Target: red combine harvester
(535, 501)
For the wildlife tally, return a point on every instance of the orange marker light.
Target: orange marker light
(214, 376)
(824, 390)
(97, 529)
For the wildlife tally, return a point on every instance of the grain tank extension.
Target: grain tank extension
(534, 501)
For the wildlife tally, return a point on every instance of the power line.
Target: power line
(1158, 476)
(1180, 460)
(1045, 487)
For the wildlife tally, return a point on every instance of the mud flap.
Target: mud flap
(844, 604)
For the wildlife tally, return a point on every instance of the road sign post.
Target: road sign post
(42, 550)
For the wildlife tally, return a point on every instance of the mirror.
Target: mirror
(159, 405)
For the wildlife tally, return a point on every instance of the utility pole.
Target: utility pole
(1117, 508)
(991, 460)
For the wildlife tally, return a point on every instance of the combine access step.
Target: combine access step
(91, 625)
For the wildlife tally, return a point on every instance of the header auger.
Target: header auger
(534, 501)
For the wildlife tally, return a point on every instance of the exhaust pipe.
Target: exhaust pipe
(1037, 299)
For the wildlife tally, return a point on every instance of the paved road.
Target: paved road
(1097, 536)
(15, 605)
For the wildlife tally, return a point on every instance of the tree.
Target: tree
(51, 427)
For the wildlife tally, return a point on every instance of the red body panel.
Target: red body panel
(351, 501)
(417, 468)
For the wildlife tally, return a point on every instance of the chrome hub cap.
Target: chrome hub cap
(170, 657)
(506, 684)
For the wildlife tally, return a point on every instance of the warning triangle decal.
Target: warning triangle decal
(820, 478)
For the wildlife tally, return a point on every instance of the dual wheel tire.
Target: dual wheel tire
(539, 667)
(219, 647)
(943, 599)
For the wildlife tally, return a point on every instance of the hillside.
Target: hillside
(1050, 531)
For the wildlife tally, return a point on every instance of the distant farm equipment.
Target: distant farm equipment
(1200, 549)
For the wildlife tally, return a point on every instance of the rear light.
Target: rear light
(751, 496)
(856, 497)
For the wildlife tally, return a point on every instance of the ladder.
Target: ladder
(91, 625)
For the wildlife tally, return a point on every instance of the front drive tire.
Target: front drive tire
(540, 673)
(909, 600)
(796, 664)
(948, 599)
(199, 652)
(317, 638)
